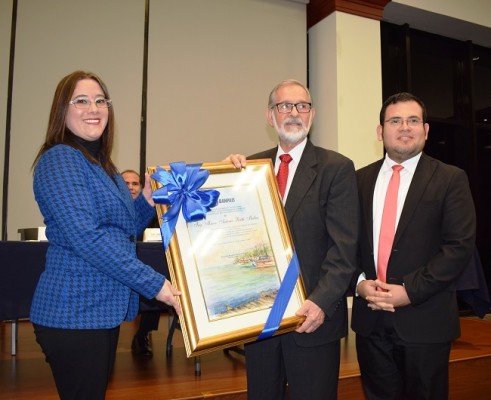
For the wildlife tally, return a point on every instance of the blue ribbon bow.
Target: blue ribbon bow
(180, 191)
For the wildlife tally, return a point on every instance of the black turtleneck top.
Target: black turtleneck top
(93, 147)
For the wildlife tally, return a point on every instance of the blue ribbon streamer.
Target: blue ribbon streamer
(282, 299)
(180, 191)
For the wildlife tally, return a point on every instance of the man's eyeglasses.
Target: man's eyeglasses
(285, 108)
(86, 103)
(396, 121)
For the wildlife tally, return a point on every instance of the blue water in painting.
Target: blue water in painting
(231, 286)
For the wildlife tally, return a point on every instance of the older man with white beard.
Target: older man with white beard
(321, 204)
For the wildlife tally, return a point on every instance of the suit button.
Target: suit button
(132, 238)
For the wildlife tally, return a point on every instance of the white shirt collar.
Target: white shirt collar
(409, 165)
(295, 153)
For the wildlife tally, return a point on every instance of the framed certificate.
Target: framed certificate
(230, 265)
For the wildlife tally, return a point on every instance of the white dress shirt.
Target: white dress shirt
(380, 191)
(296, 154)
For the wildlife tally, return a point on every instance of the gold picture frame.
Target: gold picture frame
(230, 265)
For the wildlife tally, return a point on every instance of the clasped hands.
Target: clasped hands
(383, 296)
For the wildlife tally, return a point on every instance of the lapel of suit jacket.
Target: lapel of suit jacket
(304, 176)
(422, 176)
(116, 187)
(367, 192)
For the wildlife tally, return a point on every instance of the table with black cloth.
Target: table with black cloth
(22, 262)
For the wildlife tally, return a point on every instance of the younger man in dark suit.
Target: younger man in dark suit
(321, 204)
(405, 313)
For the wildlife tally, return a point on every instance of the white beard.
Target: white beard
(294, 135)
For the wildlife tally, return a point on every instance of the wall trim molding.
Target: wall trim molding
(317, 10)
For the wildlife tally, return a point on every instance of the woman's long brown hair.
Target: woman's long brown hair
(58, 133)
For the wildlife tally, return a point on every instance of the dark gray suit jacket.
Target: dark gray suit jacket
(323, 216)
(433, 244)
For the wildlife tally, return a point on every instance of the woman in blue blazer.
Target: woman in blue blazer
(93, 277)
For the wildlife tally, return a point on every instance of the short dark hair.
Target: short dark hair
(401, 98)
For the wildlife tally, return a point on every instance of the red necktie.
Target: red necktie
(388, 225)
(282, 176)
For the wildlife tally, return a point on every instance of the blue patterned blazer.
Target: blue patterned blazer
(92, 277)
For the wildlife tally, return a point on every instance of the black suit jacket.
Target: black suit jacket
(322, 213)
(433, 244)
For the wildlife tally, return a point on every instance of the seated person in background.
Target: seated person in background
(132, 179)
(149, 310)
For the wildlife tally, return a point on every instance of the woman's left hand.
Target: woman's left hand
(147, 190)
